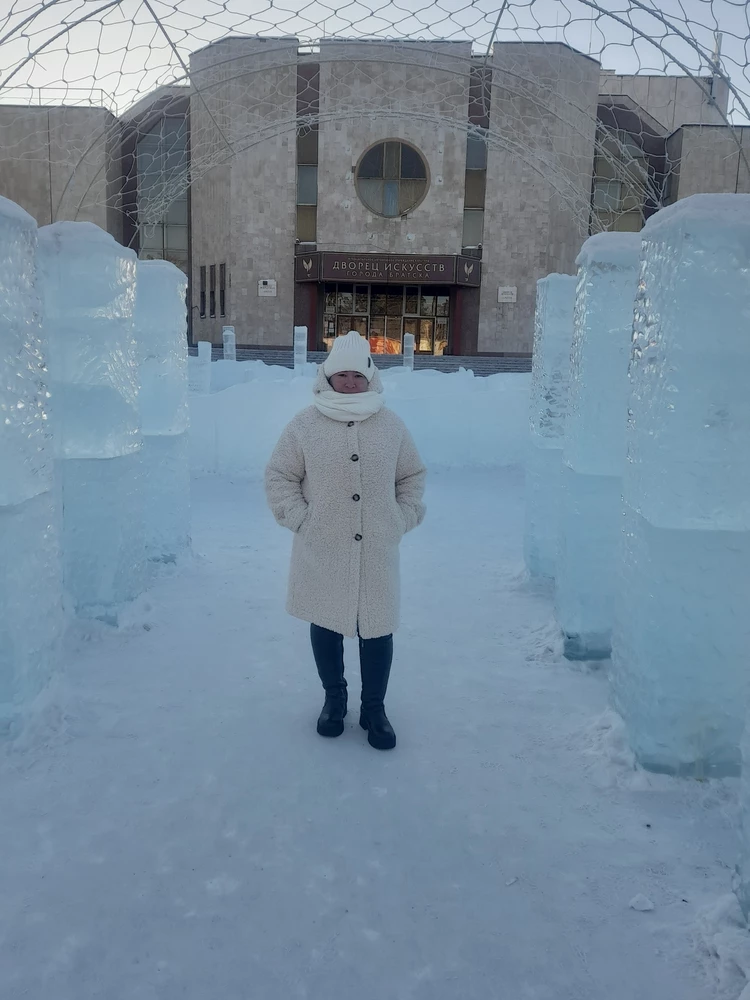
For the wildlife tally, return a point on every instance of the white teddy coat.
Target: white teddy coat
(348, 513)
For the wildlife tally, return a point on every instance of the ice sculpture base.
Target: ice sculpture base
(103, 542)
(587, 646)
(543, 479)
(590, 536)
(166, 496)
(31, 613)
(679, 672)
(725, 766)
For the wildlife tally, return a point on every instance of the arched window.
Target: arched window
(391, 178)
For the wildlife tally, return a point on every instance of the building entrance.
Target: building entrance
(384, 313)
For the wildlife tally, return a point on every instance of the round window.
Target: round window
(391, 178)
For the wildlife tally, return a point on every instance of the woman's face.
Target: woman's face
(348, 382)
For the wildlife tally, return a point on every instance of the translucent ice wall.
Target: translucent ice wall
(88, 288)
(30, 574)
(161, 332)
(680, 651)
(594, 449)
(553, 334)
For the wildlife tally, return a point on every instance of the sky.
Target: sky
(116, 52)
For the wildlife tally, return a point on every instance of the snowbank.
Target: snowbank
(457, 420)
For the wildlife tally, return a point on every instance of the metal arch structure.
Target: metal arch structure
(78, 49)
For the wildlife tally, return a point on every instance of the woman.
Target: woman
(346, 478)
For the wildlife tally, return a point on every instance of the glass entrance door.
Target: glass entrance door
(384, 313)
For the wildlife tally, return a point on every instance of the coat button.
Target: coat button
(355, 458)
(357, 538)
(350, 424)
(356, 496)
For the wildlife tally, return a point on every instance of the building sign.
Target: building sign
(397, 269)
(267, 288)
(401, 270)
(507, 293)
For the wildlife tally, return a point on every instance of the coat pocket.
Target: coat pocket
(400, 520)
(304, 523)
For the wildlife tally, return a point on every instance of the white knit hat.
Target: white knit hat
(350, 354)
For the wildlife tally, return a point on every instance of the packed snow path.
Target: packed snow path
(180, 831)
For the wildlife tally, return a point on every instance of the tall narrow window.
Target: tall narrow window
(203, 291)
(474, 190)
(162, 165)
(622, 181)
(473, 232)
(480, 95)
(307, 200)
(308, 90)
(480, 100)
(212, 290)
(307, 185)
(308, 109)
(222, 289)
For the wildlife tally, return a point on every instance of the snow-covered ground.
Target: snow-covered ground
(172, 826)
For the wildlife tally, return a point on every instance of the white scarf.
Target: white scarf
(348, 406)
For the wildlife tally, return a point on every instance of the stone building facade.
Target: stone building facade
(391, 187)
(243, 204)
(708, 158)
(538, 187)
(62, 163)
(514, 211)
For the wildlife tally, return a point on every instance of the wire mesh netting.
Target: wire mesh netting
(82, 80)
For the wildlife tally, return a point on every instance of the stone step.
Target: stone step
(481, 365)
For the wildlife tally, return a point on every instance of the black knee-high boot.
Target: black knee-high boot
(375, 658)
(328, 650)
